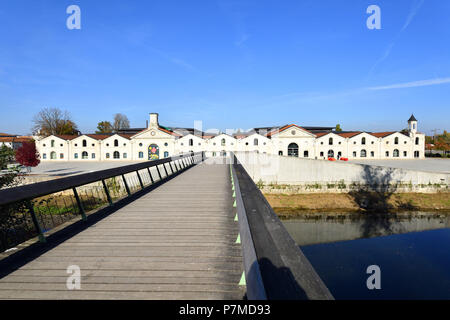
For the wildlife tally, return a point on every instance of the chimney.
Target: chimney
(153, 120)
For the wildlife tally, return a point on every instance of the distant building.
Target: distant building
(157, 141)
(13, 141)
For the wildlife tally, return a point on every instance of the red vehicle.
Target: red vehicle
(331, 159)
(344, 159)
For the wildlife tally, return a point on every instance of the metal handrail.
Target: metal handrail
(279, 264)
(39, 189)
(22, 197)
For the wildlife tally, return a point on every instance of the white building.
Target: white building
(156, 141)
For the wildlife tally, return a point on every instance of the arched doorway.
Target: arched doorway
(330, 153)
(293, 150)
(153, 152)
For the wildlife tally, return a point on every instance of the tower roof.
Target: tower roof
(412, 118)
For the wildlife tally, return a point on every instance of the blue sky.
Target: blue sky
(231, 64)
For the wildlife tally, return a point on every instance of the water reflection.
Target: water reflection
(332, 228)
(413, 254)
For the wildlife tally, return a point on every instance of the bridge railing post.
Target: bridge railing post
(150, 174)
(35, 221)
(108, 195)
(140, 179)
(126, 185)
(80, 204)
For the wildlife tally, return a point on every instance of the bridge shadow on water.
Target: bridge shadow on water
(20, 258)
(373, 196)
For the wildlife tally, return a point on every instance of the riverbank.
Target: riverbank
(287, 205)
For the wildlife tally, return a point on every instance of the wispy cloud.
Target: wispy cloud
(417, 4)
(421, 83)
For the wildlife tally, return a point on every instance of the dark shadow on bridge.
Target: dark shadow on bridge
(35, 250)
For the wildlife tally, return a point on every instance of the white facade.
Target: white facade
(157, 142)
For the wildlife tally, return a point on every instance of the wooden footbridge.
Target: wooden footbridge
(184, 227)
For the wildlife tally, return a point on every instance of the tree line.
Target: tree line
(54, 121)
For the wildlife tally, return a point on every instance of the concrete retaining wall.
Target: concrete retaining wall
(275, 174)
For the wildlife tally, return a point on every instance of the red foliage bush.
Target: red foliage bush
(27, 154)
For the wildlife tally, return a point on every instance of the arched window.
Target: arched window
(416, 154)
(191, 142)
(280, 153)
(93, 155)
(293, 150)
(53, 155)
(141, 155)
(116, 143)
(330, 154)
(339, 155)
(396, 140)
(363, 153)
(124, 155)
(44, 156)
(387, 154)
(417, 141)
(116, 155)
(75, 155)
(330, 141)
(305, 154)
(107, 156)
(84, 143)
(166, 154)
(223, 141)
(52, 143)
(84, 155)
(214, 154)
(396, 153)
(61, 155)
(255, 142)
(363, 140)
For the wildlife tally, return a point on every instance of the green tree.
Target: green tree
(338, 127)
(104, 127)
(7, 155)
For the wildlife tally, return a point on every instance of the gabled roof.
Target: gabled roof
(412, 118)
(279, 130)
(65, 136)
(382, 134)
(349, 134)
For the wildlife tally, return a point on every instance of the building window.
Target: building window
(387, 154)
(140, 144)
(75, 155)
(339, 155)
(44, 156)
(61, 155)
(52, 143)
(414, 126)
(363, 140)
(255, 142)
(280, 153)
(372, 154)
(93, 156)
(417, 141)
(405, 153)
(396, 140)
(166, 154)
(330, 153)
(166, 144)
(363, 153)
(116, 155)
(354, 154)
(191, 142)
(223, 142)
(321, 153)
(53, 155)
(330, 141)
(396, 153)
(305, 154)
(246, 143)
(61, 145)
(84, 143)
(93, 144)
(214, 154)
(107, 155)
(293, 150)
(124, 155)
(84, 155)
(141, 155)
(416, 154)
(116, 143)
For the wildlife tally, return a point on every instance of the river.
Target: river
(412, 253)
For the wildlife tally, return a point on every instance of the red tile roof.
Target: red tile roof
(66, 136)
(382, 134)
(348, 134)
(285, 128)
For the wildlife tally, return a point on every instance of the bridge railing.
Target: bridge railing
(36, 209)
(275, 267)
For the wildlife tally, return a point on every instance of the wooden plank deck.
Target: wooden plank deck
(176, 242)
